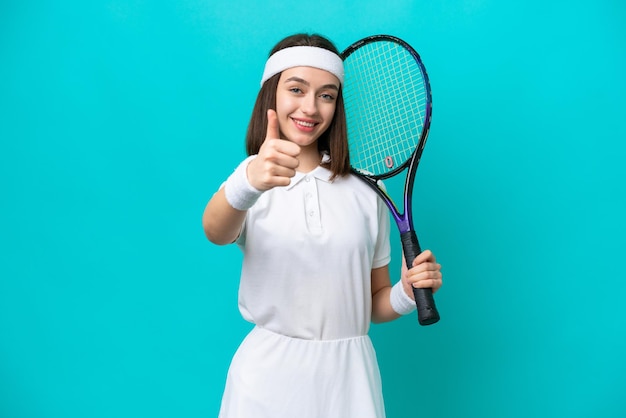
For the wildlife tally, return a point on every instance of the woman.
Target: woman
(316, 250)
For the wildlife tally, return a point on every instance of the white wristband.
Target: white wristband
(400, 301)
(239, 192)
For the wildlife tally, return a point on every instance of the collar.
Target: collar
(320, 173)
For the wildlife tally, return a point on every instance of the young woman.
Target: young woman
(315, 241)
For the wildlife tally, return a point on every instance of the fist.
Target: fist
(424, 273)
(277, 160)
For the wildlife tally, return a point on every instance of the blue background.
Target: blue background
(119, 119)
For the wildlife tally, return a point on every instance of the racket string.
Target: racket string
(386, 99)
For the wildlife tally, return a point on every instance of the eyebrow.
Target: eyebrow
(306, 83)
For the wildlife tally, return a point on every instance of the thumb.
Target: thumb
(272, 125)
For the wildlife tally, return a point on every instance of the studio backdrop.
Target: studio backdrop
(120, 119)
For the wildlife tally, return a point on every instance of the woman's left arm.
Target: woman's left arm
(381, 289)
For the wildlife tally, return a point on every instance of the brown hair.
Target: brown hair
(334, 140)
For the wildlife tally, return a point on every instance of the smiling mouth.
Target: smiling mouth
(304, 124)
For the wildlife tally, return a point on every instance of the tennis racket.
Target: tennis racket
(388, 110)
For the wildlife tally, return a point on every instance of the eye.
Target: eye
(327, 96)
(296, 90)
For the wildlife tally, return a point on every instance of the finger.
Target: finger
(423, 257)
(282, 171)
(270, 175)
(280, 181)
(433, 284)
(273, 131)
(424, 267)
(278, 153)
(287, 148)
(429, 279)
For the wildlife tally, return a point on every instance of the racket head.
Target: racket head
(388, 105)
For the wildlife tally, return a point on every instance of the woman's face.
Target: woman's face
(305, 103)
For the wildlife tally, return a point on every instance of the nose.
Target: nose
(309, 104)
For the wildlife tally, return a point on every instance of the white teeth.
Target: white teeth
(306, 124)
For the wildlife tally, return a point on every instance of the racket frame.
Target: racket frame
(427, 311)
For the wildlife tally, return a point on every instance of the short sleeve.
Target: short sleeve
(382, 250)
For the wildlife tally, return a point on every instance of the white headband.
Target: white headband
(303, 56)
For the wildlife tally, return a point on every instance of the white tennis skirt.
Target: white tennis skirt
(274, 376)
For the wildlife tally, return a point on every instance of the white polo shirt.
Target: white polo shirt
(309, 249)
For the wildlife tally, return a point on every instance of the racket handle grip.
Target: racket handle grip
(426, 310)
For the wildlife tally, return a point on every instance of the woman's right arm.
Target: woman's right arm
(221, 222)
(273, 166)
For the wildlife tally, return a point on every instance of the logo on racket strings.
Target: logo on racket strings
(389, 161)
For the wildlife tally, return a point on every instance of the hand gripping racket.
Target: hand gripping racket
(388, 110)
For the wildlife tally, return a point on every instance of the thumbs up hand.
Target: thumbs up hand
(277, 160)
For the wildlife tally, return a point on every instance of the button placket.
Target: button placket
(311, 206)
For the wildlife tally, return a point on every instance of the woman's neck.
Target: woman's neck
(309, 159)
